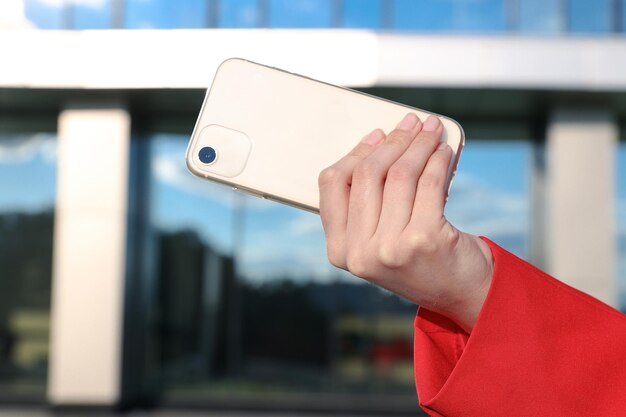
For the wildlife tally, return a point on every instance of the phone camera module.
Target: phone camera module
(207, 155)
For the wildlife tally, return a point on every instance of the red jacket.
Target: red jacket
(539, 348)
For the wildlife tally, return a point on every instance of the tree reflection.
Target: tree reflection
(285, 334)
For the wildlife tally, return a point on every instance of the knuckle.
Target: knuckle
(362, 150)
(336, 261)
(388, 256)
(328, 176)
(401, 171)
(357, 264)
(430, 180)
(422, 243)
(335, 255)
(399, 137)
(366, 170)
(431, 138)
(428, 142)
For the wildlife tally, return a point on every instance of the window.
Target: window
(541, 16)
(44, 14)
(28, 184)
(181, 201)
(362, 14)
(449, 15)
(249, 306)
(301, 13)
(490, 195)
(591, 16)
(166, 14)
(92, 15)
(240, 14)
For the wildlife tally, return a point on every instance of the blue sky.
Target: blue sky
(540, 16)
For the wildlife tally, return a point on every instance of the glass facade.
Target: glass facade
(92, 15)
(249, 305)
(490, 195)
(165, 14)
(596, 16)
(301, 14)
(541, 16)
(450, 15)
(465, 16)
(264, 312)
(362, 14)
(46, 15)
(240, 14)
(27, 181)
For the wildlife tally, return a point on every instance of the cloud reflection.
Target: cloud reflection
(17, 149)
(280, 241)
(169, 168)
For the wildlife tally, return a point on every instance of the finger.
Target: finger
(401, 183)
(431, 187)
(334, 186)
(369, 177)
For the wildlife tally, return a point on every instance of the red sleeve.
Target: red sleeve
(538, 348)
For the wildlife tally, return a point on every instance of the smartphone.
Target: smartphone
(269, 133)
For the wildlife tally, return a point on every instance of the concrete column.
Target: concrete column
(89, 256)
(580, 200)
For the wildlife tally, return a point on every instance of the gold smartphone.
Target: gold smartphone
(269, 132)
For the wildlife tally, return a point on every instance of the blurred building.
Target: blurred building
(125, 281)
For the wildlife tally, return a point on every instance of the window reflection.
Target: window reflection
(165, 14)
(28, 184)
(249, 301)
(490, 194)
(92, 15)
(541, 16)
(240, 13)
(44, 14)
(450, 15)
(249, 304)
(301, 13)
(591, 16)
(181, 201)
(362, 13)
(532, 16)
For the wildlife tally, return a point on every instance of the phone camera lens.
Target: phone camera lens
(207, 155)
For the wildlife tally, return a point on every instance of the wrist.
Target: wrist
(472, 276)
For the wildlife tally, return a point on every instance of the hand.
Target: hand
(382, 208)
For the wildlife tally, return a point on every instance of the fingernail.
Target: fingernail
(409, 122)
(443, 146)
(374, 137)
(431, 124)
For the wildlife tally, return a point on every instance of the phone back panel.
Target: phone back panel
(274, 131)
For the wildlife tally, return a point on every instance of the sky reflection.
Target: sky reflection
(489, 196)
